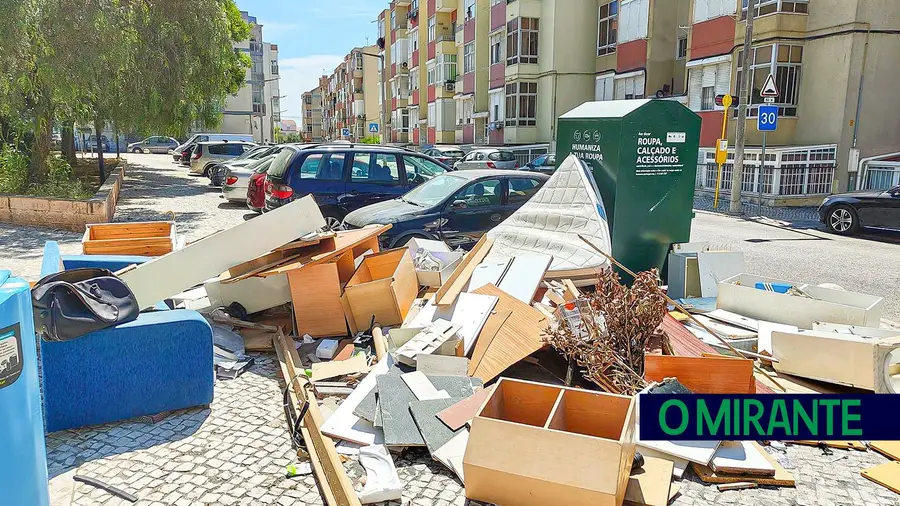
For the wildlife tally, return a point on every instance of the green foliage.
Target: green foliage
(61, 183)
(370, 140)
(13, 170)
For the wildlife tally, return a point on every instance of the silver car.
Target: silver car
(488, 158)
(238, 178)
(154, 144)
(207, 154)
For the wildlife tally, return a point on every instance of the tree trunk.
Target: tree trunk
(98, 129)
(68, 142)
(40, 151)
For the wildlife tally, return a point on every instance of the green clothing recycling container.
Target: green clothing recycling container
(643, 155)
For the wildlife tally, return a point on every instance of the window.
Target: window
(432, 115)
(707, 81)
(522, 41)
(763, 7)
(502, 156)
(323, 167)
(274, 67)
(375, 168)
(481, 194)
(681, 47)
(709, 9)
(496, 109)
(226, 149)
(359, 61)
(419, 170)
(606, 37)
(469, 58)
(470, 9)
(404, 120)
(634, 20)
(521, 104)
(381, 28)
(431, 29)
(603, 87)
(414, 79)
(413, 45)
(521, 189)
(445, 68)
(708, 98)
(629, 87)
(431, 74)
(393, 19)
(783, 61)
(496, 49)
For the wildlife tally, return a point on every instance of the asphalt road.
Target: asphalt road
(804, 253)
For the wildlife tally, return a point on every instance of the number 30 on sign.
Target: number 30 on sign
(768, 118)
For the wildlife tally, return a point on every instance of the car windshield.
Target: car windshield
(264, 166)
(434, 191)
(280, 163)
(458, 153)
(254, 165)
(502, 156)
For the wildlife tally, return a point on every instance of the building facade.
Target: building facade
(255, 108)
(350, 97)
(311, 116)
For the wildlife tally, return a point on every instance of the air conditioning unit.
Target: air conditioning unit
(404, 65)
(360, 116)
(450, 86)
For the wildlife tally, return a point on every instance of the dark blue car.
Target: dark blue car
(457, 208)
(346, 177)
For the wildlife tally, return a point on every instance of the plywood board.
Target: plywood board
(702, 375)
(451, 454)
(460, 277)
(715, 267)
(316, 298)
(324, 370)
(353, 241)
(782, 477)
(887, 475)
(442, 365)
(459, 414)
(164, 276)
(520, 336)
(487, 272)
(741, 457)
(524, 276)
(470, 311)
(345, 425)
(678, 465)
(890, 449)
(649, 486)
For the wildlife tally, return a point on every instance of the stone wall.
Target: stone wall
(65, 213)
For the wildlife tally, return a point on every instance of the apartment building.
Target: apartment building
(311, 116)
(255, 108)
(835, 64)
(351, 96)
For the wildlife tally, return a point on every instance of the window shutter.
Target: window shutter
(639, 85)
(598, 88)
(620, 89)
(695, 89)
(701, 10)
(709, 76)
(629, 86)
(723, 78)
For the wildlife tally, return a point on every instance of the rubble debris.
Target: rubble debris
(460, 413)
(458, 280)
(333, 369)
(741, 457)
(470, 311)
(421, 386)
(650, 485)
(741, 485)
(452, 452)
(382, 481)
(781, 478)
(433, 431)
(327, 348)
(344, 424)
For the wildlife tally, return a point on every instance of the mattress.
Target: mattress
(568, 205)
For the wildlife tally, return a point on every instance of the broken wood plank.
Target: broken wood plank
(782, 477)
(257, 339)
(327, 466)
(352, 241)
(460, 276)
(843, 445)
(890, 449)
(741, 485)
(235, 322)
(741, 457)
(333, 369)
(702, 375)
(460, 413)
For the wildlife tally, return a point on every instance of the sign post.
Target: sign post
(766, 121)
(722, 144)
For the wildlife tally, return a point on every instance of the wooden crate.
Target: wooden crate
(536, 444)
(384, 286)
(143, 238)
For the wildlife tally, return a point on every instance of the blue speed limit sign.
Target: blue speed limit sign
(768, 118)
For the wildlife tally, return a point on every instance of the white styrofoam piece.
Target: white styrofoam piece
(764, 336)
(740, 455)
(488, 272)
(470, 311)
(733, 319)
(855, 330)
(680, 465)
(327, 348)
(421, 386)
(716, 266)
(164, 276)
(343, 424)
(416, 243)
(451, 454)
(524, 275)
(382, 481)
(740, 295)
(567, 205)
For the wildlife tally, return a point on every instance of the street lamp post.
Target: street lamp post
(272, 108)
(383, 100)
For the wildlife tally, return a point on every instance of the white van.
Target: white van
(206, 137)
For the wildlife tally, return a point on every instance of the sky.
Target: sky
(312, 36)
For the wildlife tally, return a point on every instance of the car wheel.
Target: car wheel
(332, 223)
(842, 220)
(136, 150)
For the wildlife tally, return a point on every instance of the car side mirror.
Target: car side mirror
(458, 204)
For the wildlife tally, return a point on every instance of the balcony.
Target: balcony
(402, 3)
(445, 5)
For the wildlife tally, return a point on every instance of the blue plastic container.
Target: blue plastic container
(23, 454)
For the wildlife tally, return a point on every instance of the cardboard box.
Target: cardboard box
(739, 294)
(142, 238)
(384, 286)
(438, 278)
(537, 444)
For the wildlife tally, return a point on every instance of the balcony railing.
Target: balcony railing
(787, 180)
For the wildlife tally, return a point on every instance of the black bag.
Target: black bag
(73, 303)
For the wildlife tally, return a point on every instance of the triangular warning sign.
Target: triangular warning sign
(769, 89)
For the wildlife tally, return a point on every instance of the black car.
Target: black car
(344, 177)
(846, 213)
(545, 164)
(457, 207)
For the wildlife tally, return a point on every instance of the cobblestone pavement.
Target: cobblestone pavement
(807, 216)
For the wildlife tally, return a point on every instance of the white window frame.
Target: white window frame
(469, 58)
(414, 78)
(634, 20)
(496, 105)
(635, 81)
(716, 73)
(393, 19)
(515, 33)
(766, 7)
(445, 68)
(710, 9)
(604, 87)
(432, 74)
(679, 54)
(432, 114)
(520, 97)
(497, 42)
(787, 106)
(413, 36)
(432, 28)
(609, 45)
(470, 9)
(404, 120)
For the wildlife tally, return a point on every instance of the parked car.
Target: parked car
(847, 213)
(184, 158)
(206, 154)
(91, 144)
(545, 164)
(488, 158)
(194, 139)
(153, 144)
(256, 188)
(217, 171)
(448, 155)
(457, 207)
(237, 179)
(345, 177)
